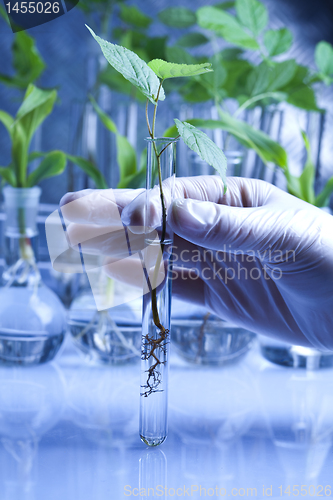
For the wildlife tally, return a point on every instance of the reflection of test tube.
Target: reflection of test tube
(152, 473)
(156, 301)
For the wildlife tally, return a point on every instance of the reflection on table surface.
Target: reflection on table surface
(69, 430)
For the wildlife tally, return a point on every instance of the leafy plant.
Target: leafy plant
(28, 64)
(35, 108)
(243, 25)
(148, 79)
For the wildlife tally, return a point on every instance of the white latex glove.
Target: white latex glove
(270, 268)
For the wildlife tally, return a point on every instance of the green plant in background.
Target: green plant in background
(243, 25)
(148, 79)
(303, 186)
(36, 107)
(27, 63)
(130, 176)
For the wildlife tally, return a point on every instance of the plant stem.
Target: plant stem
(153, 379)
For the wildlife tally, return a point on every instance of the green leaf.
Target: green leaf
(134, 69)
(198, 141)
(226, 26)
(54, 163)
(8, 175)
(307, 177)
(237, 74)
(278, 41)
(324, 58)
(178, 55)
(132, 15)
(265, 147)
(303, 98)
(8, 121)
(105, 119)
(230, 54)
(155, 47)
(195, 92)
(90, 169)
(192, 40)
(224, 5)
(166, 70)
(115, 81)
(136, 180)
(252, 14)
(126, 157)
(269, 78)
(26, 59)
(177, 17)
(36, 106)
(323, 198)
(35, 155)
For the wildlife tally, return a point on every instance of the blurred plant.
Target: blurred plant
(303, 186)
(28, 64)
(36, 107)
(130, 176)
(235, 77)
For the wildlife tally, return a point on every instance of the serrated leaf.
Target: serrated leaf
(324, 58)
(265, 147)
(132, 15)
(166, 70)
(177, 17)
(54, 163)
(89, 168)
(134, 69)
(278, 41)
(252, 14)
(200, 143)
(192, 40)
(226, 26)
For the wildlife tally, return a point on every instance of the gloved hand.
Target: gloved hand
(256, 256)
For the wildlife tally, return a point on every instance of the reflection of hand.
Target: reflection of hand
(256, 256)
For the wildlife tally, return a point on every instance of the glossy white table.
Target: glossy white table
(69, 431)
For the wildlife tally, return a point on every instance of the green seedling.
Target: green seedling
(148, 79)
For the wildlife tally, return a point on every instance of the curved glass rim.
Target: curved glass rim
(33, 189)
(162, 139)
